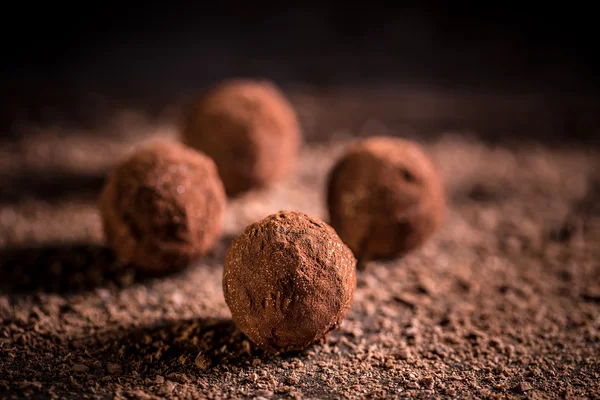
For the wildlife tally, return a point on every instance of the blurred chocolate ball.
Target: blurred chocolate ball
(288, 280)
(385, 197)
(163, 207)
(249, 129)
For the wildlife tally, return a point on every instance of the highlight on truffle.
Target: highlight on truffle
(288, 281)
(385, 197)
(249, 129)
(163, 207)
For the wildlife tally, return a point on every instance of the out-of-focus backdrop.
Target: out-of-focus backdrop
(498, 70)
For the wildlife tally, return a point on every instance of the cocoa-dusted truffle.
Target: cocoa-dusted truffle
(163, 207)
(249, 128)
(288, 280)
(385, 197)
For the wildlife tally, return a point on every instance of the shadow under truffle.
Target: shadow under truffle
(49, 186)
(61, 268)
(199, 344)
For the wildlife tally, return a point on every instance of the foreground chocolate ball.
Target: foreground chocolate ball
(249, 129)
(385, 198)
(163, 207)
(288, 280)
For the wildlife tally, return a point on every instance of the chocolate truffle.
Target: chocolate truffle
(249, 129)
(163, 207)
(385, 198)
(288, 280)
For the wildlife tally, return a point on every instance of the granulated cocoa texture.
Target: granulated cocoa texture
(249, 128)
(163, 207)
(502, 303)
(288, 280)
(385, 197)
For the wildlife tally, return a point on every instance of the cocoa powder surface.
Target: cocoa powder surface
(504, 302)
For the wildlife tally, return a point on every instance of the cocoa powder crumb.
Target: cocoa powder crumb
(81, 313)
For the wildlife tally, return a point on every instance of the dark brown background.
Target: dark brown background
(67, 57)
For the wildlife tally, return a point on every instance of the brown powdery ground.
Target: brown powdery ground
(503, 303)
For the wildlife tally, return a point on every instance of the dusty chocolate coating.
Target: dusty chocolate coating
(385, 197)
(288, 280)
(249, 129)
(163, 207)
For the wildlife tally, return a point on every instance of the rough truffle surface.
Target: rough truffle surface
(250, 130)
(163, 207)
(288, 280)
(385, 197)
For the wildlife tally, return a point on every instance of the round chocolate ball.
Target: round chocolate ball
(288, 280)
(249, 129)
(163, 207)
(385, 197)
